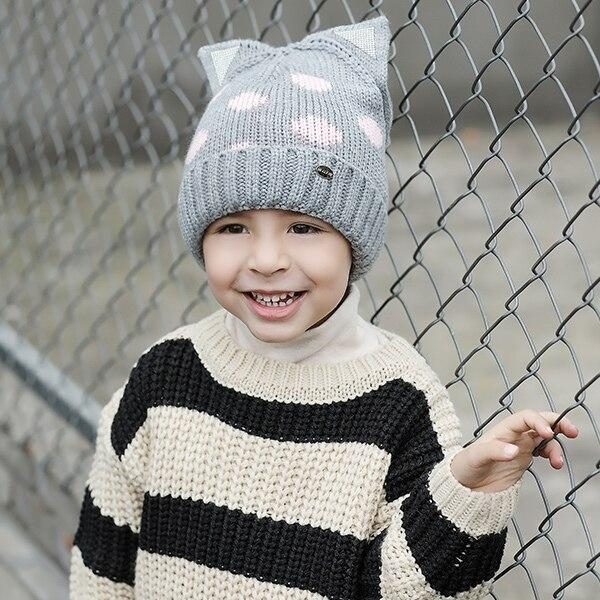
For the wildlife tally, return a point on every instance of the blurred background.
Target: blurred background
(491, 265)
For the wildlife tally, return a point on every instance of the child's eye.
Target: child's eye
(226, 228)
(315, 229)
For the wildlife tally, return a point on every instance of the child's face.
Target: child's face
(276, 250)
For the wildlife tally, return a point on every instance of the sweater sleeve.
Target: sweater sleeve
(436, 538)
(104, 551)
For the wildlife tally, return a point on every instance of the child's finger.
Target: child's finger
(553, 452)
(564, 426)
(496, 450)
(527, 419)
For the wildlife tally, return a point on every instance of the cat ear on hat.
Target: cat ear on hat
(220, 60)
(369, 43)
(372, 40)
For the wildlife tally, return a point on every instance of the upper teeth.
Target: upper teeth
(274, 298)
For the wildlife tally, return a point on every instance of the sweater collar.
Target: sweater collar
(344, 319)
(318, 382)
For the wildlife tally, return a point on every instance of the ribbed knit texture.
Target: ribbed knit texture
(222, 474)
(301, 127)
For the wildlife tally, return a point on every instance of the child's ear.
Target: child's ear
(219, 60)
(369, 40)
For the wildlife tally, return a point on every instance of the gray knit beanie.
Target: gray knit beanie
(302, 127)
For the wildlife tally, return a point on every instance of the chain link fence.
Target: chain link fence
(490, 267)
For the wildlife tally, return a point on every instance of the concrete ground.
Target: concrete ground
(26, 573)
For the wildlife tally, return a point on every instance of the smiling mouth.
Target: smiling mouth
(297, 296)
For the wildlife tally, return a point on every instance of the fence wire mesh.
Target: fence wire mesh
(490, 267)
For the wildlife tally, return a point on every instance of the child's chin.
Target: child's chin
(270, 334)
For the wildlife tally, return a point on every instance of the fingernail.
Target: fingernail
(510, 450)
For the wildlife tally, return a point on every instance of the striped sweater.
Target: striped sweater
(220, 473)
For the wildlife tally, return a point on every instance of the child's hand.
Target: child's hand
(484, 466)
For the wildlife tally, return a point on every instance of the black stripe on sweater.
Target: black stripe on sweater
(296, 555)
(451, 560)
(370, 571)
(109, 550)
(172, 374)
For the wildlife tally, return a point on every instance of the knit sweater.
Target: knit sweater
(221, 473)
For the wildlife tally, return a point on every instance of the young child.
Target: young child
(284, 447)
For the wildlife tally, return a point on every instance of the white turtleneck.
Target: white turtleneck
(343, 336)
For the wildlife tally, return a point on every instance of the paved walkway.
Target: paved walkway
(25, 571)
